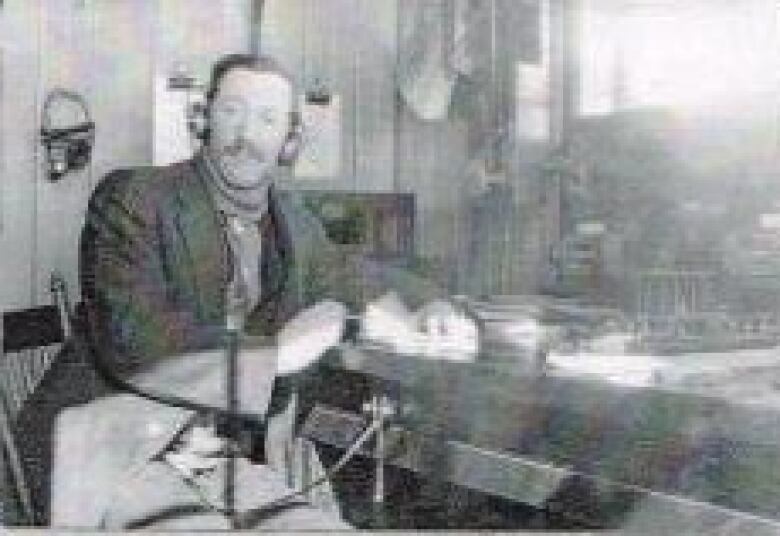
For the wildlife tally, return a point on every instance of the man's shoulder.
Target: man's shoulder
(144, 186)
(147, 178)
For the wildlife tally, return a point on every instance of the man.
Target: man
(172, 260)
(171, 257)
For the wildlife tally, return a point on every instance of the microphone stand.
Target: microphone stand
(231, 392)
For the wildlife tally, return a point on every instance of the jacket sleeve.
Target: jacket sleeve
(132, 311)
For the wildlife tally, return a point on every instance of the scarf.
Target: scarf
(243, 208)
(247, 203)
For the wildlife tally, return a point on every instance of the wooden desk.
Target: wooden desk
(494, 428)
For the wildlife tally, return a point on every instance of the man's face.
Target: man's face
(249, 120)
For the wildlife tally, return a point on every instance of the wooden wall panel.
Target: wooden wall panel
(434, 156)
(280, 33)
(19, 36)
(103, 51)
(66, 51)
(354, 47)
(349, 45)
(108, 51)
(196, 32)
(112, 50)
(375, 54)
(123, 40)
(330, 46)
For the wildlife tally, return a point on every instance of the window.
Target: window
(637, 53)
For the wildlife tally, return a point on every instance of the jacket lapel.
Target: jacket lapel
(201, 244)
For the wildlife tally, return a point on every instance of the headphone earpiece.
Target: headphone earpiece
(292, 143)
(198, 125)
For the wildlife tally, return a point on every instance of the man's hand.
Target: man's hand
(199, 376)
(309, 334)
(437, 329)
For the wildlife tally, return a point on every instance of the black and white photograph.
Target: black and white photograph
(390, 265)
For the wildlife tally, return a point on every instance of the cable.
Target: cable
(241, 520)
(231, 390)
(250, 518)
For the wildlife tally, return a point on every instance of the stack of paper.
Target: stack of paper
(436, 330)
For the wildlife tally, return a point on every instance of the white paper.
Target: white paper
(173, 141)
(320, 154)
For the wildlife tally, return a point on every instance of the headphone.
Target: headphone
(67, 148)
(198, 124)
(292, 142)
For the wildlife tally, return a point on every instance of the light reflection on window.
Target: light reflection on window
(680, 54)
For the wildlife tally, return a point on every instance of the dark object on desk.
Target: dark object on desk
(30, 328)
(25, 329)
(379, 225)
(594, 453)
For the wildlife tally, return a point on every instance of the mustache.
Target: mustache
(243, 147)
(236, 180)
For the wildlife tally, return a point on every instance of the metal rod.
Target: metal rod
(256, 30)
(231, 392)
(495, 158)
(379, 481)
(355, 116)
(397, 104)
(59, 291)
(14, 460)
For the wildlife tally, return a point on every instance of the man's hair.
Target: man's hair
(248, 62)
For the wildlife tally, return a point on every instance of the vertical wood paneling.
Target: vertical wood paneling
(107, 51)
(66, 59)
(433, 155)
(349, 45)
(374, 31)
(281, 34)
(102, 50)
(2, 124)
(122, 84)
(19, 133)
(196, 32)
(330, 54)
(112, 50)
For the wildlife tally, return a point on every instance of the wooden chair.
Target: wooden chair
(31, 339)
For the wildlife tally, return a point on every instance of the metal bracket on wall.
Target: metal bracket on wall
(256, 26)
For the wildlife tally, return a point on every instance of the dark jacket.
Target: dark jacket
(155, 263)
